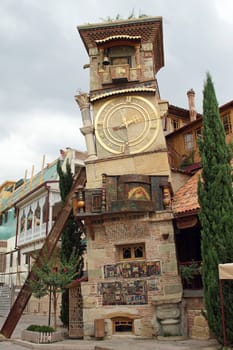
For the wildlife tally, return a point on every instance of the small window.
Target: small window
(37, 215)
(29, 219)
(132, 251)
(2, 262)
(122, 325)
(96, 202)
(121, 55)
(11, 259)
(27, 259)
(188, 142)
(45, 212)
(138, 251)
(19, 258)
(175, 124)
(227, 123)
(22, 223)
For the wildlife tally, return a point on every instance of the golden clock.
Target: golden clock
(126, 124)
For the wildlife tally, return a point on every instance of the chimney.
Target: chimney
(191, 101)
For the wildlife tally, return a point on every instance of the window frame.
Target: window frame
(189, 143)
(11, 259)
(175, 124)
(19, 258)
(122, 321)
(132, 247)
(226, 120)
(96, 201)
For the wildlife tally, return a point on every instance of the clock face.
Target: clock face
(126, 124)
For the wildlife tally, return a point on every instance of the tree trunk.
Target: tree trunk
(54, 308)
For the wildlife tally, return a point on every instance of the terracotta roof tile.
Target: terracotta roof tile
(186, 199)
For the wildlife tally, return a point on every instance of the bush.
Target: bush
(38, 328)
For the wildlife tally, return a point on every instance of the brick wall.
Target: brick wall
(197, 324)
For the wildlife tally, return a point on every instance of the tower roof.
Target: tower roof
(146, 29)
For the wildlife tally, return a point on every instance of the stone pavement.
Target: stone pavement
(122, 342)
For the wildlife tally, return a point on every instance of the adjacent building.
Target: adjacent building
(28, 210)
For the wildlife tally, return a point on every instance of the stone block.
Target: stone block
(147, 47)
(137, 327)
(200, 321)
(108, 327)
(88, 330)
(89, 302)
(166, 248)
(200, 333)
(168, 311)
(170, 267)
(172, 289)
(93, 51)
(200, 329)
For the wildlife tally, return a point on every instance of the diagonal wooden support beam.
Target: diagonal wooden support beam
(46, 250)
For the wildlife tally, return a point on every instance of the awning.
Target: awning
(225, 271)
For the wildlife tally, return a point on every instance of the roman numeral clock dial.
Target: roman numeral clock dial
(126, 124)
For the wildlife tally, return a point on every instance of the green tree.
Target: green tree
(216, 208)
(71, 238)
(52, 278)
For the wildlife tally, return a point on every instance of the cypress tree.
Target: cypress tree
(215, 196)
(71, 238)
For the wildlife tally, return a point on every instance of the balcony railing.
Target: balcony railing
(32, 234)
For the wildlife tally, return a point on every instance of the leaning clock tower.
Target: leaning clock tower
(133, 284)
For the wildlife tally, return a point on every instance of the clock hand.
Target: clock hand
(115, 128)
(126, 123)
(134, 120)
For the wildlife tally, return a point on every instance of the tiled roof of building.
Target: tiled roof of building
(181, 112)
(185, 199)
(146, 28)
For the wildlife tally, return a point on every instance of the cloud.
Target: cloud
(42, 58)
(31, 138)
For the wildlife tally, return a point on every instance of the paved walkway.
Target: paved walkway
(116, 343)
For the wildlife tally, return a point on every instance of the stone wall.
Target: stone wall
(140, 284)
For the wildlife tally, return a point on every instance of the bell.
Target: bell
(106, 61)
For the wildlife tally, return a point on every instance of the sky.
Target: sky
(42, 58)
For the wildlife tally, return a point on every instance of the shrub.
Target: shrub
(38, 328)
